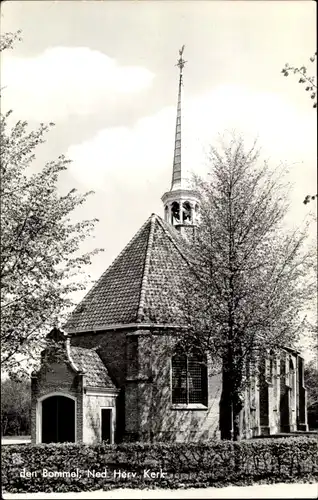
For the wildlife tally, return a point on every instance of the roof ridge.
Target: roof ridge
(146, 269)
(173, 240)
(90, 292)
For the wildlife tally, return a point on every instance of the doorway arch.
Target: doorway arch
(57, 418)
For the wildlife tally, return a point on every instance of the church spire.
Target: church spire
(181, 203)
(176, 171)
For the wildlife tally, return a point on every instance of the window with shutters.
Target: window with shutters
(189, 379)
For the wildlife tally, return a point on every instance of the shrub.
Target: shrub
(174, 465)
(15, 407)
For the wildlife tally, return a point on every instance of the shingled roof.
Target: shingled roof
(89, 362)
(138, 285)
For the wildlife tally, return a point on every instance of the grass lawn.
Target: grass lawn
(15, 440)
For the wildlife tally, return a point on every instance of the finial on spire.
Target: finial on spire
(181, 62)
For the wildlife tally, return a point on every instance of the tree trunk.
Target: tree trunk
(231, 403)
(4, 425)
(237, 418)
(225, 421)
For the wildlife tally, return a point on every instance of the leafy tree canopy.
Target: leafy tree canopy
(250, 277)
(15, 407)
(41, 264)
(305, 78)
(310, 84)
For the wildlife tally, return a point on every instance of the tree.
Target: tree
(7, 40)
(305, 78)
(311, 377)
(15, 407)
(41, 264)
(249, 277)
(311, 87)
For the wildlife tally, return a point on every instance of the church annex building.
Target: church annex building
(122, 377)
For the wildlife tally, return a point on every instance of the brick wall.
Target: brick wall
(293, 390)
(92, 405)
(289, 390)
(149, 412)
(111, 347)
(139, 363)
(301, 397)
(138, 366)
(274, 397)
(56, 378)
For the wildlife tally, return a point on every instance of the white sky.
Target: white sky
(104, 73)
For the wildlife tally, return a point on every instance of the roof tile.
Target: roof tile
(138, 286)
(88, 361)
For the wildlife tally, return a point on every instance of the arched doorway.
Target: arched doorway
(58, 419)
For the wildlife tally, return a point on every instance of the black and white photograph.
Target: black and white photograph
(158, 188)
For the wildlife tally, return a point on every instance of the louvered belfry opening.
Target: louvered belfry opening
(189, 379)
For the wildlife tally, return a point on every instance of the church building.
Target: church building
(121, 376)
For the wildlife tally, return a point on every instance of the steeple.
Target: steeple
(181, 204)
(176, 171)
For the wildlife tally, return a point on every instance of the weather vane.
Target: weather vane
(181, 62)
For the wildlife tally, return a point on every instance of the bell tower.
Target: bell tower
(181, 203)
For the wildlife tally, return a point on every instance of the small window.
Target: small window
(189, 379)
